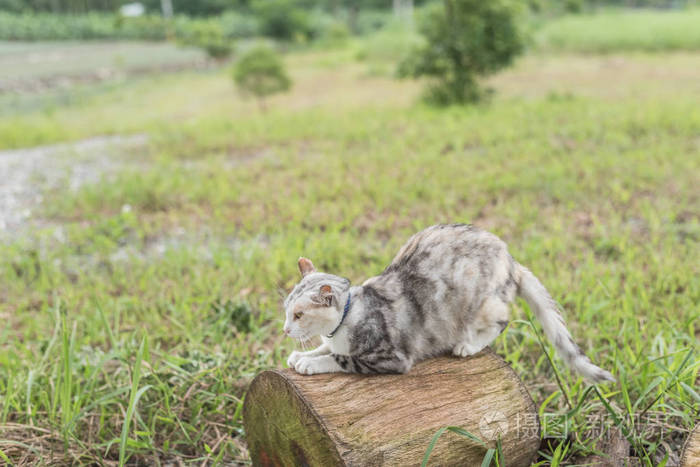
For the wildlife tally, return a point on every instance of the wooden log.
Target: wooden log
(341, 419)
(691, 449)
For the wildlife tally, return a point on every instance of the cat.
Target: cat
(447, 290)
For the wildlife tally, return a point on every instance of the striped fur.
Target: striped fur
(447, 290)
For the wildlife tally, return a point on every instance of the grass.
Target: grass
(592, 184)
(622, 30)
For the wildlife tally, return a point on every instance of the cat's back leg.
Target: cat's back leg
(495, 288)
(488, 323)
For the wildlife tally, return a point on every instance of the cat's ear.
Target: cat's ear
(306, 266)
(326, 294)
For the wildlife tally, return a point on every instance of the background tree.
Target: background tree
(465, 39)
(261, 73)
(282, 19)
(208, 36)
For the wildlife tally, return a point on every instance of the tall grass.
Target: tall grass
(611, 31)
(134, 397)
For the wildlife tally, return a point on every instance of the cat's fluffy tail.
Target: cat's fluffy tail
(547, 312)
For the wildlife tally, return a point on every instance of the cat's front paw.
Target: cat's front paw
(309, 366)
(293, 359)
(465, 349)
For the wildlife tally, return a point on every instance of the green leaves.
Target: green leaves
(261, 72)
(208, 36)
(464, 40)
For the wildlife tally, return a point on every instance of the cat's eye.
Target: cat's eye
(298, 315)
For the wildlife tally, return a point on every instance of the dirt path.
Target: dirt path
(26, 175)
(30, 67)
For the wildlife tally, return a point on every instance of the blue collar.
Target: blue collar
(345, 313)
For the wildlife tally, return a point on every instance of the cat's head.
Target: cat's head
(314, 307)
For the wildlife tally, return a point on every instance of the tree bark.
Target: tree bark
(343, 419)
(691, 449)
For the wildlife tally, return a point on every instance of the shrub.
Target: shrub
(464, 39)
(260, 72)
(238, 26)
(369, 21)
(282, 19)
(334, 33)
(327, 29)
(208, 36)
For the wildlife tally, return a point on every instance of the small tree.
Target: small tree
(208, 36)
(261, 72)
(464, 39)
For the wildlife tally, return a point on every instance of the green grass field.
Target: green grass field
(135, 310)
(623, 30)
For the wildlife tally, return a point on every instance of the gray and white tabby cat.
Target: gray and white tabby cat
(447, 290)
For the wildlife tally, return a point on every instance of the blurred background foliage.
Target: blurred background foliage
(216, 7)
(280, 19)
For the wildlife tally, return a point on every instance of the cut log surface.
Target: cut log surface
(691, 449)
(358, 420)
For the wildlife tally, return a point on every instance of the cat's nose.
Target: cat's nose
(286, 331)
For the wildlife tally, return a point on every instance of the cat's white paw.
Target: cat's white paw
(308, 366)
(293, 359)
(465, 349)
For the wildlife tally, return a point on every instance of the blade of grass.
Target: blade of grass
(4, 457)
(108, 328)
(6, 401)
(623, 428)
(133, 400)
(466, 434)
(67, 380)
(500, 458)
(488, 457)
(454, 429)
(551, 361)
(674, 379)
(691, 391)
(432, 445)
